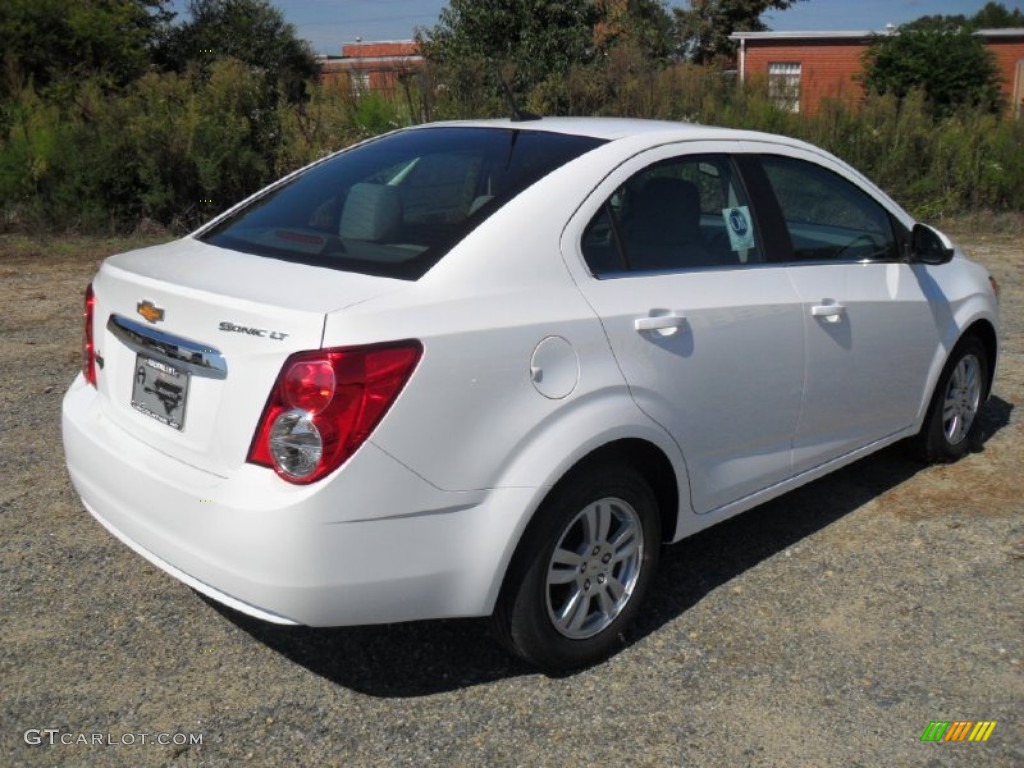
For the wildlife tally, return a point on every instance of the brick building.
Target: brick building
(371, 66)
(803, 68)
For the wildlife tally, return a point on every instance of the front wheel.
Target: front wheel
(582, 569)
(951, 424)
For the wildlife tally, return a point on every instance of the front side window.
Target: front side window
(396, 205)
(828, 217)
(683, 213)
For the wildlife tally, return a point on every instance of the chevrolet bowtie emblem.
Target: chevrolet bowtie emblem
(150, 311)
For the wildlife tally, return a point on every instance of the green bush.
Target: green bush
(172, 148)
(968, 160)
(178, 148)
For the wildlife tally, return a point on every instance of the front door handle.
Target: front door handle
(665, 325)
(831, 312)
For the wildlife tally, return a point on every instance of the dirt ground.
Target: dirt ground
(827, 628)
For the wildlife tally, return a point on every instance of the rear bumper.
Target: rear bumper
(372, 543)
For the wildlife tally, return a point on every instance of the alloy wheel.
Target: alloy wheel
(963, 397)
(594, 568)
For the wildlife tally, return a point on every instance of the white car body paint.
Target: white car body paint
(423, 520)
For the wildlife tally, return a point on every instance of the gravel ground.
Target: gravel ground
(824, 629)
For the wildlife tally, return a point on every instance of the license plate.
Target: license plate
(160, 391)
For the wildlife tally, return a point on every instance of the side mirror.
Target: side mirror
(929, 246)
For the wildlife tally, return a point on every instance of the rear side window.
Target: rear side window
(828, 217)
(396, 205)
(688, 212)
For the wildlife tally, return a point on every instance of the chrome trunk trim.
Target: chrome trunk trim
(190, 356)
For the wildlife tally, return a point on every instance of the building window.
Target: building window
(359, 82)
(784, 84)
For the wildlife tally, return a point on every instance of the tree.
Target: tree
(949, 63)
(247, 53)
(997, 16)
(644, 24)
(46, 41)
(704, 28)
(533, 39)
(252, 31)
(992, 16)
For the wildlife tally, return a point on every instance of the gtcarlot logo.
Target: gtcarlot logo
(54, 736)
(958, 730)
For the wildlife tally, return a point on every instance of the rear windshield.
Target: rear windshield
(396, 205)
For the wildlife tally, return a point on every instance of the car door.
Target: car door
(709, 338)
(870, 332)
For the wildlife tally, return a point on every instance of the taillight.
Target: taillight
(88, 348)
(324, 405)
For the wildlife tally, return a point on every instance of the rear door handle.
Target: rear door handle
(665, 325)
(832, 313)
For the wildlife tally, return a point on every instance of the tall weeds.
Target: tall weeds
(178, 148)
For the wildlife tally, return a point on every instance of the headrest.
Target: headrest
(666, 211)
(372, 212)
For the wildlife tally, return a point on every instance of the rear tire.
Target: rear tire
(951, 425)
(582, 569)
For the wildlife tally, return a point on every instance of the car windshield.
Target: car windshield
(396, 205)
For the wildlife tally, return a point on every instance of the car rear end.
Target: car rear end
(178, 434)
(214, 433)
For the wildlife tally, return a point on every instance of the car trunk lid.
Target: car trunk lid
(192, 337)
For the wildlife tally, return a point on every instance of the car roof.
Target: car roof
(614, 128)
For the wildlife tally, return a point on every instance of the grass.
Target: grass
(984, 224)
(46, 245)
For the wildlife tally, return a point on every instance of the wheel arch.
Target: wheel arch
(985, 332)
(644, 456)
(520, 620)
(978, 325)
(651, 463)
(932, 445)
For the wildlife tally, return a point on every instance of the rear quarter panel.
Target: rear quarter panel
(471, 417)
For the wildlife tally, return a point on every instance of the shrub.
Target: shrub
(176, 148)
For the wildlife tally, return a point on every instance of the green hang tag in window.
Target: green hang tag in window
(740, 227)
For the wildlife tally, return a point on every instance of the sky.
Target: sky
(326, 24)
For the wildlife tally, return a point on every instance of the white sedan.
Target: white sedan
(491, 367)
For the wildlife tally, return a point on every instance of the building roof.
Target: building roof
(997, 33)
(364, 54)
(347, 61)
(849, 35)
(360, 41)
(375, 48)
(806, 35)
